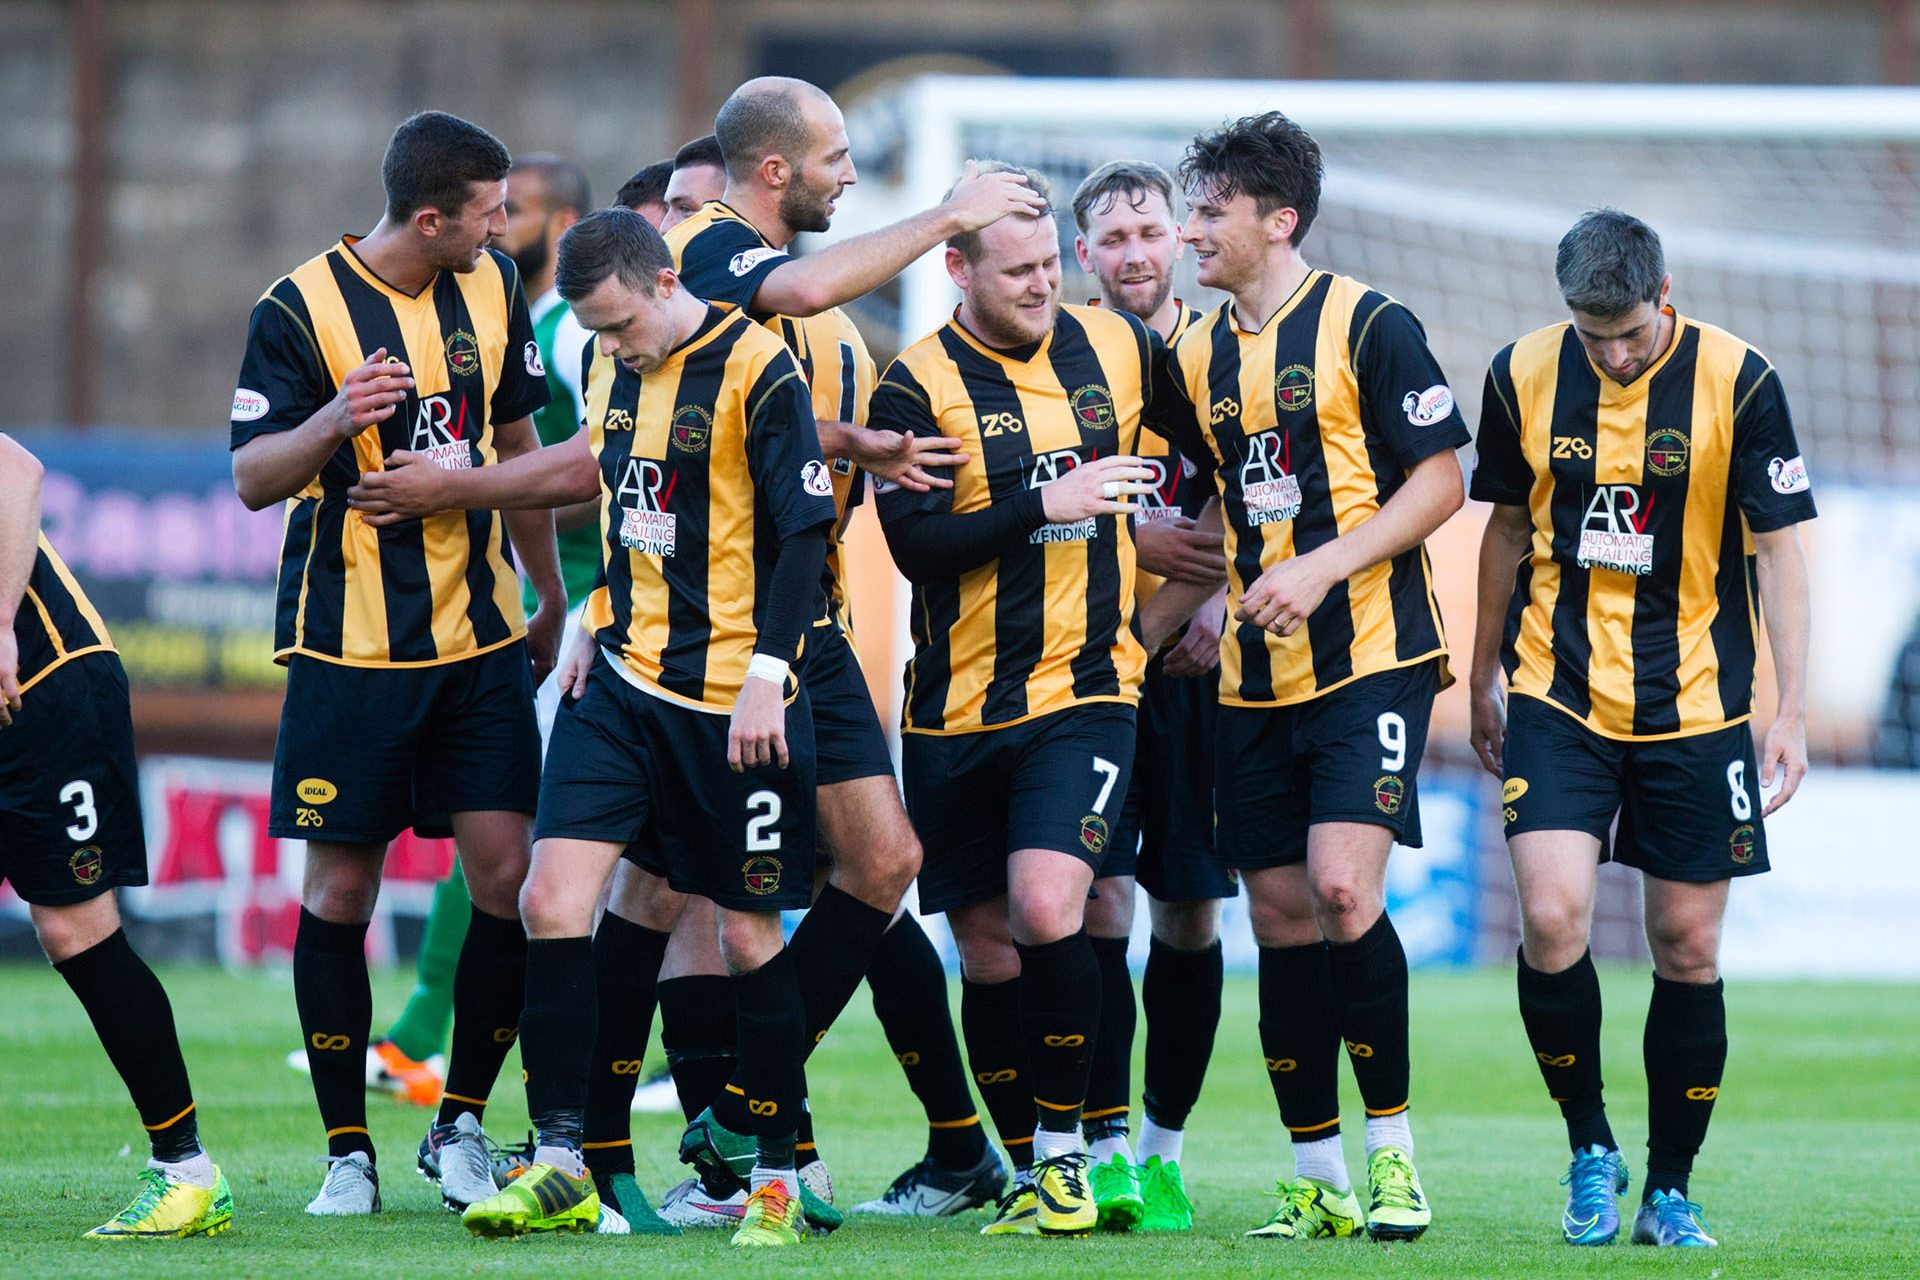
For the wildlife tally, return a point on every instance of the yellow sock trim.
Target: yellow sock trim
(168, 1124)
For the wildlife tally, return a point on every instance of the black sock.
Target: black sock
(805, 1150)
(698, 1033)
(1686, 1053)
(1300, 1037)
(1370, 995)
(556, 1036)
(1181, 994)
(996, 1053)
(1562, 1016)
(1059, 1019)
(134, 1020)
(489, 990)
(1110, 1077)
(773, 1041)
(626, 968)
(909, 988)
(334, 995)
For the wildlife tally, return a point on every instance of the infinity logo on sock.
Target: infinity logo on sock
(1064, 1042)
(1005, 1075)
(907, 1059)
(321, 1040)
(1360, 1050)
(505, 1035)
(1564, 1060)
(1281, 1064)
(1703, 1095)
(626, 1066)
(763, 1107)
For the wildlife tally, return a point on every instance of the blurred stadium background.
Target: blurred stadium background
(162, 163)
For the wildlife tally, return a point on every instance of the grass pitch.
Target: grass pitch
(1811, 1168)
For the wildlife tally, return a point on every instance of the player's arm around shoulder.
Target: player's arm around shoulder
(409, 487)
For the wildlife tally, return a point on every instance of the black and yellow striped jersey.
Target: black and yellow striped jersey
(706, 464)
(55, 622)
(425, 591)
(1179, 486)
(1634, 609)
(1311, 425)
(1051, 625)
(723, 258)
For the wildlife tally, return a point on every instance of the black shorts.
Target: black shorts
(847, 738)
(1164, 838)
(1352, 755)
(1055, 782)
(70, 824)
(1689, 807)
(630, 768)
(366, 752)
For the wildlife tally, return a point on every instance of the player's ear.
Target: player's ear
(428, 221)
(1666, 287)
(1179, 241)
(665, 283)
(1280, 224)
(1080, 252)
(775, 172)
(957, 268)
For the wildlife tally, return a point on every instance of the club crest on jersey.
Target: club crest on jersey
(530, 355)
(85, 865)
(1388, 792)
(761, 875)
(1786, 475)
(1293, 388)
(1613, 533)
(1268, 488)
(646, 525)
(1740, 844)
(691, 428)
(440, 433)
(1424, 408)
(463, 354)
(1094, 833)
(816, 479)
(1093, 406)
(1667, 451)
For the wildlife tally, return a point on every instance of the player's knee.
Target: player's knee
(1344, 907)
(1278, 923)
(748, 939)
(549, 911)
(1553, 934)
(345, 896)
(987, 961)
(1682, 954)
(1186, 926)
(495, 887)
(1109, 913)
(1046, 915)
(64, 932)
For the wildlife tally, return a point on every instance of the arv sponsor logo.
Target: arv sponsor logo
(251, 406)
(1613, 531)
(1788, 475)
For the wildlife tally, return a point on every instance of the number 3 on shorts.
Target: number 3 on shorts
(79, 794)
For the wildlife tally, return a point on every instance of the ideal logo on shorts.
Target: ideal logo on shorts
(86, 865)
(1094, 833)
(1740, 844)
(761, 875)
(1388, 792)
(316, 790)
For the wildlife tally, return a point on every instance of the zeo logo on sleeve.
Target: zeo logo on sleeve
(251, 406)
(1787, 475)
(815, 479)
(536, 367)
(1424, 408)
(747, 259)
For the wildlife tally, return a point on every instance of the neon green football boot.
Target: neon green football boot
(772, 1219)
(541, 1199)
(1165, 1196)
(1310, 1210)
(1116, 1194)
(168, 1209)
(1396, 1207)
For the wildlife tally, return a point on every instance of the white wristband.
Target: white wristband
(768, 667)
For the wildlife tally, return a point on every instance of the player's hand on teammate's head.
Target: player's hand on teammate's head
(410, 488)
(369, 394)
(1785, 746)
(9, 675)
(1175, 548)
(757, 731)
(1488, 728)
(982, 199)
(1096, 488)
(904, 459)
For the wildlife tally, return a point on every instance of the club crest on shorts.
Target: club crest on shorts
(1740, 844)
(1293, 387)
(85, 865)
(1667, 452)
(1094, 833)
(761, 875)
(463, 354)
(691, 428)
(1093, 406)
(1388, 792)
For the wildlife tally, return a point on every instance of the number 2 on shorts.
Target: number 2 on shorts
(763, 811)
